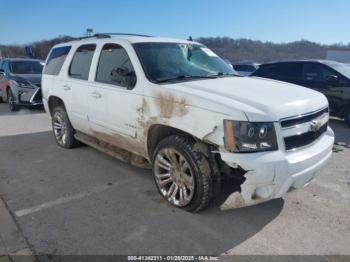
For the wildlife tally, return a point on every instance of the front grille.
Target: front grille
(38, 97)
(290, 122)
(304, 139)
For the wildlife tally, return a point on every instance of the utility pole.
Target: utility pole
(89, 32)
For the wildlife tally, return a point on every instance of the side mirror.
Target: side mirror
(2, 73)
(123, 77)
(332, 79)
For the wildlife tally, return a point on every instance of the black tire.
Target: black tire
(11, 101)
(347, 118)
(62, 128)
(198, 165)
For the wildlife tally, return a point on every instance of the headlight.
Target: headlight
(243, 136)
(21, 84)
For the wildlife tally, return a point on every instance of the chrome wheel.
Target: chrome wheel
(59, 128)
(174, 177)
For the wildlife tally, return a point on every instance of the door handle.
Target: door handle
(66, 87)
(96, 94)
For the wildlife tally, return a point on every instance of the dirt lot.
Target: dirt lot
(82, 201)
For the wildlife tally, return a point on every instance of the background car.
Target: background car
(20, 82)
(246, 69)
(328, 77)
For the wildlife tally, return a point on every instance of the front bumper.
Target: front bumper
(29, 97)
(272, 174)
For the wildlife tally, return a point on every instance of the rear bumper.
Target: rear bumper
(272, 174)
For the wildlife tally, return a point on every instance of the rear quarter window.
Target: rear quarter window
(56, 59)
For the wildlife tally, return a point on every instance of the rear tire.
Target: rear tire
(11, 101)
(182, 175)
(62, 128)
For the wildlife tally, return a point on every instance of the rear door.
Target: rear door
(75, 86)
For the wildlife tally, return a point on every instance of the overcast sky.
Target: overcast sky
(323, 21)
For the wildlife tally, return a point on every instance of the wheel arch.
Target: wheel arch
(54, 101)
(158, 132)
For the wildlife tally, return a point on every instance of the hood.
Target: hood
(34, 79)
(260, 99)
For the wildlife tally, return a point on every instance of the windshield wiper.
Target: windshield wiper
(225, 74)
(180, 77)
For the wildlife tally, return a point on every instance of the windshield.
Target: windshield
(344, 69)
(26, 67)
(178, 61)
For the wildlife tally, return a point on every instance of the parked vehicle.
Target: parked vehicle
(246, 69)
(20, 81)
(176, 106)
(328, 77)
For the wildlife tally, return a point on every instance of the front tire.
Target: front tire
(11, 101)
(62, 128)
(182, 175)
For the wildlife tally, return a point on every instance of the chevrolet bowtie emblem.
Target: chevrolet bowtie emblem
(315, 125)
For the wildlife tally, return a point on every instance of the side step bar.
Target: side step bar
(113, 151)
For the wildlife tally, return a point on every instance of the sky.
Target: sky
(279, 21)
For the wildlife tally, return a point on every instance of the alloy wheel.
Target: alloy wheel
(60, 128)
(174, 177)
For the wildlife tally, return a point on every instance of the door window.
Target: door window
(114, 67)
(316, 72)
(289, 71)
(81, 63)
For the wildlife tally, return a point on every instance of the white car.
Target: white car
(175, 106)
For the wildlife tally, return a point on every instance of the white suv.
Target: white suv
(177, 107)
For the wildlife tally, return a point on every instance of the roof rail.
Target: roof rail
(108, 35)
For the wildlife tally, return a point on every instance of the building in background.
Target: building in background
(339, 55)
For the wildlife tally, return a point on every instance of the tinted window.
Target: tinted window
(245, 68)
(114, 67)
(56, 59)
(268, 71)
(80, 66)
(316, 72)
(26, 67)
(289, 71)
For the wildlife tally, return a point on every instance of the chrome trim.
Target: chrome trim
(300, 116)
(306, 146)
(34, 94)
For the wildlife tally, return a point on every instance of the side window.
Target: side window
(268, 71)
(81, 62)
(290, 71)
(56, 59)
(6, 67)
(115, 68)
(316, 72)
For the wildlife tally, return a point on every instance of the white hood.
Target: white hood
(260, 99)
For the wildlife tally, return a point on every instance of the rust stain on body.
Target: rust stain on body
(170, 106)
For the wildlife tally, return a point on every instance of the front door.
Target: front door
(316, 76)
(115, 98)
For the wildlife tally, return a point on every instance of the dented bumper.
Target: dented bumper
(272, 174)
